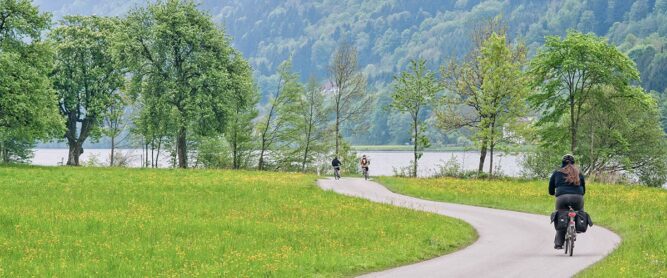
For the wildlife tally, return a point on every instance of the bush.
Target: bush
(214, 152)
(405, 172)
(453, 168)
(121, 159)
(93, 161)
(654, 175)
(539, 164)
(450, 168)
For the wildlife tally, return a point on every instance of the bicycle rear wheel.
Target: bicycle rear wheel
(567, 245)
(571, 246)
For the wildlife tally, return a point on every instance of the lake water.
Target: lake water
(383, 163)
(53, 157)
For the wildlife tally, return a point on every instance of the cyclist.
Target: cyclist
(336, 165)
(364, 162)
(569, 187)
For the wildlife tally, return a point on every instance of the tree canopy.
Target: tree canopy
(28, 104)
(181, 61)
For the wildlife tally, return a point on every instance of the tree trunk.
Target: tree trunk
(113, 148)
(337, 134)
(492, 145)
(4, 153)
(146, 156)
(415, 138)
(75, 151)
(235, 155)
(573, 128)
(157, 154)
(182, 151)
(482, 156)
(307, 148)
(305, 157)
(260, 164)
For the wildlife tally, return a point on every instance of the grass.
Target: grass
(637, 214)
(139, 222)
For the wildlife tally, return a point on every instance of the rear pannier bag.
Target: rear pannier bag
(582, 221)
(559, 218)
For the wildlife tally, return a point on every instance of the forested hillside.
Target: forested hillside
(390, 33)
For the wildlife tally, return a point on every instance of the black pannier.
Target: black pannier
(559, 218)
(582, 221)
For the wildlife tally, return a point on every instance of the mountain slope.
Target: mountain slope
(388, 33)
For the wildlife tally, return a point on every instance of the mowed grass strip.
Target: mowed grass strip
(139, 222)
(637, 214)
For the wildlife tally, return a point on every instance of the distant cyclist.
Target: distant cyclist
(364, 162)
(336, 165)
(569, 186)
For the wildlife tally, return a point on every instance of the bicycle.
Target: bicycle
(571, 234)
(337, 172)
(365, 170)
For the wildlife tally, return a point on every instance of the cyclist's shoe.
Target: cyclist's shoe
(558, 247)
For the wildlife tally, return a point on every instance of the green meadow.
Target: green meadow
(636, 213)
(138, 222)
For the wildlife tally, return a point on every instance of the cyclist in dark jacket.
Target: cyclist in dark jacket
(335, 162)
(569, 187)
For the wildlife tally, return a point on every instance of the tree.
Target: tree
(312, 119)
(466, 103)
(566, 73)
(28, 104)
(624, 135)
(350, 100)
(85, 77)
(153, 125)
(504, 89)
(115, 122)
(244, 99)
(414, 90)
(279, 114)
(182, 62)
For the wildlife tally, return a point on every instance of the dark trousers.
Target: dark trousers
(564, 202)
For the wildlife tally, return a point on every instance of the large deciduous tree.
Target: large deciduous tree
(568, 72)
(28, 104)
(349, 97)
(181, 61)
(85, 77)
(414, 91)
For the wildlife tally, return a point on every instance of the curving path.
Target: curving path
(510, 244)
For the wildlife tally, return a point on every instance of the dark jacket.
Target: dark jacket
(335, 162)
(558, 186)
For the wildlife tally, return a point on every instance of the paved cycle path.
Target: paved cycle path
(510, 244)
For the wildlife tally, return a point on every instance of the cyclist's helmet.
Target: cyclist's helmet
(568, 159)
